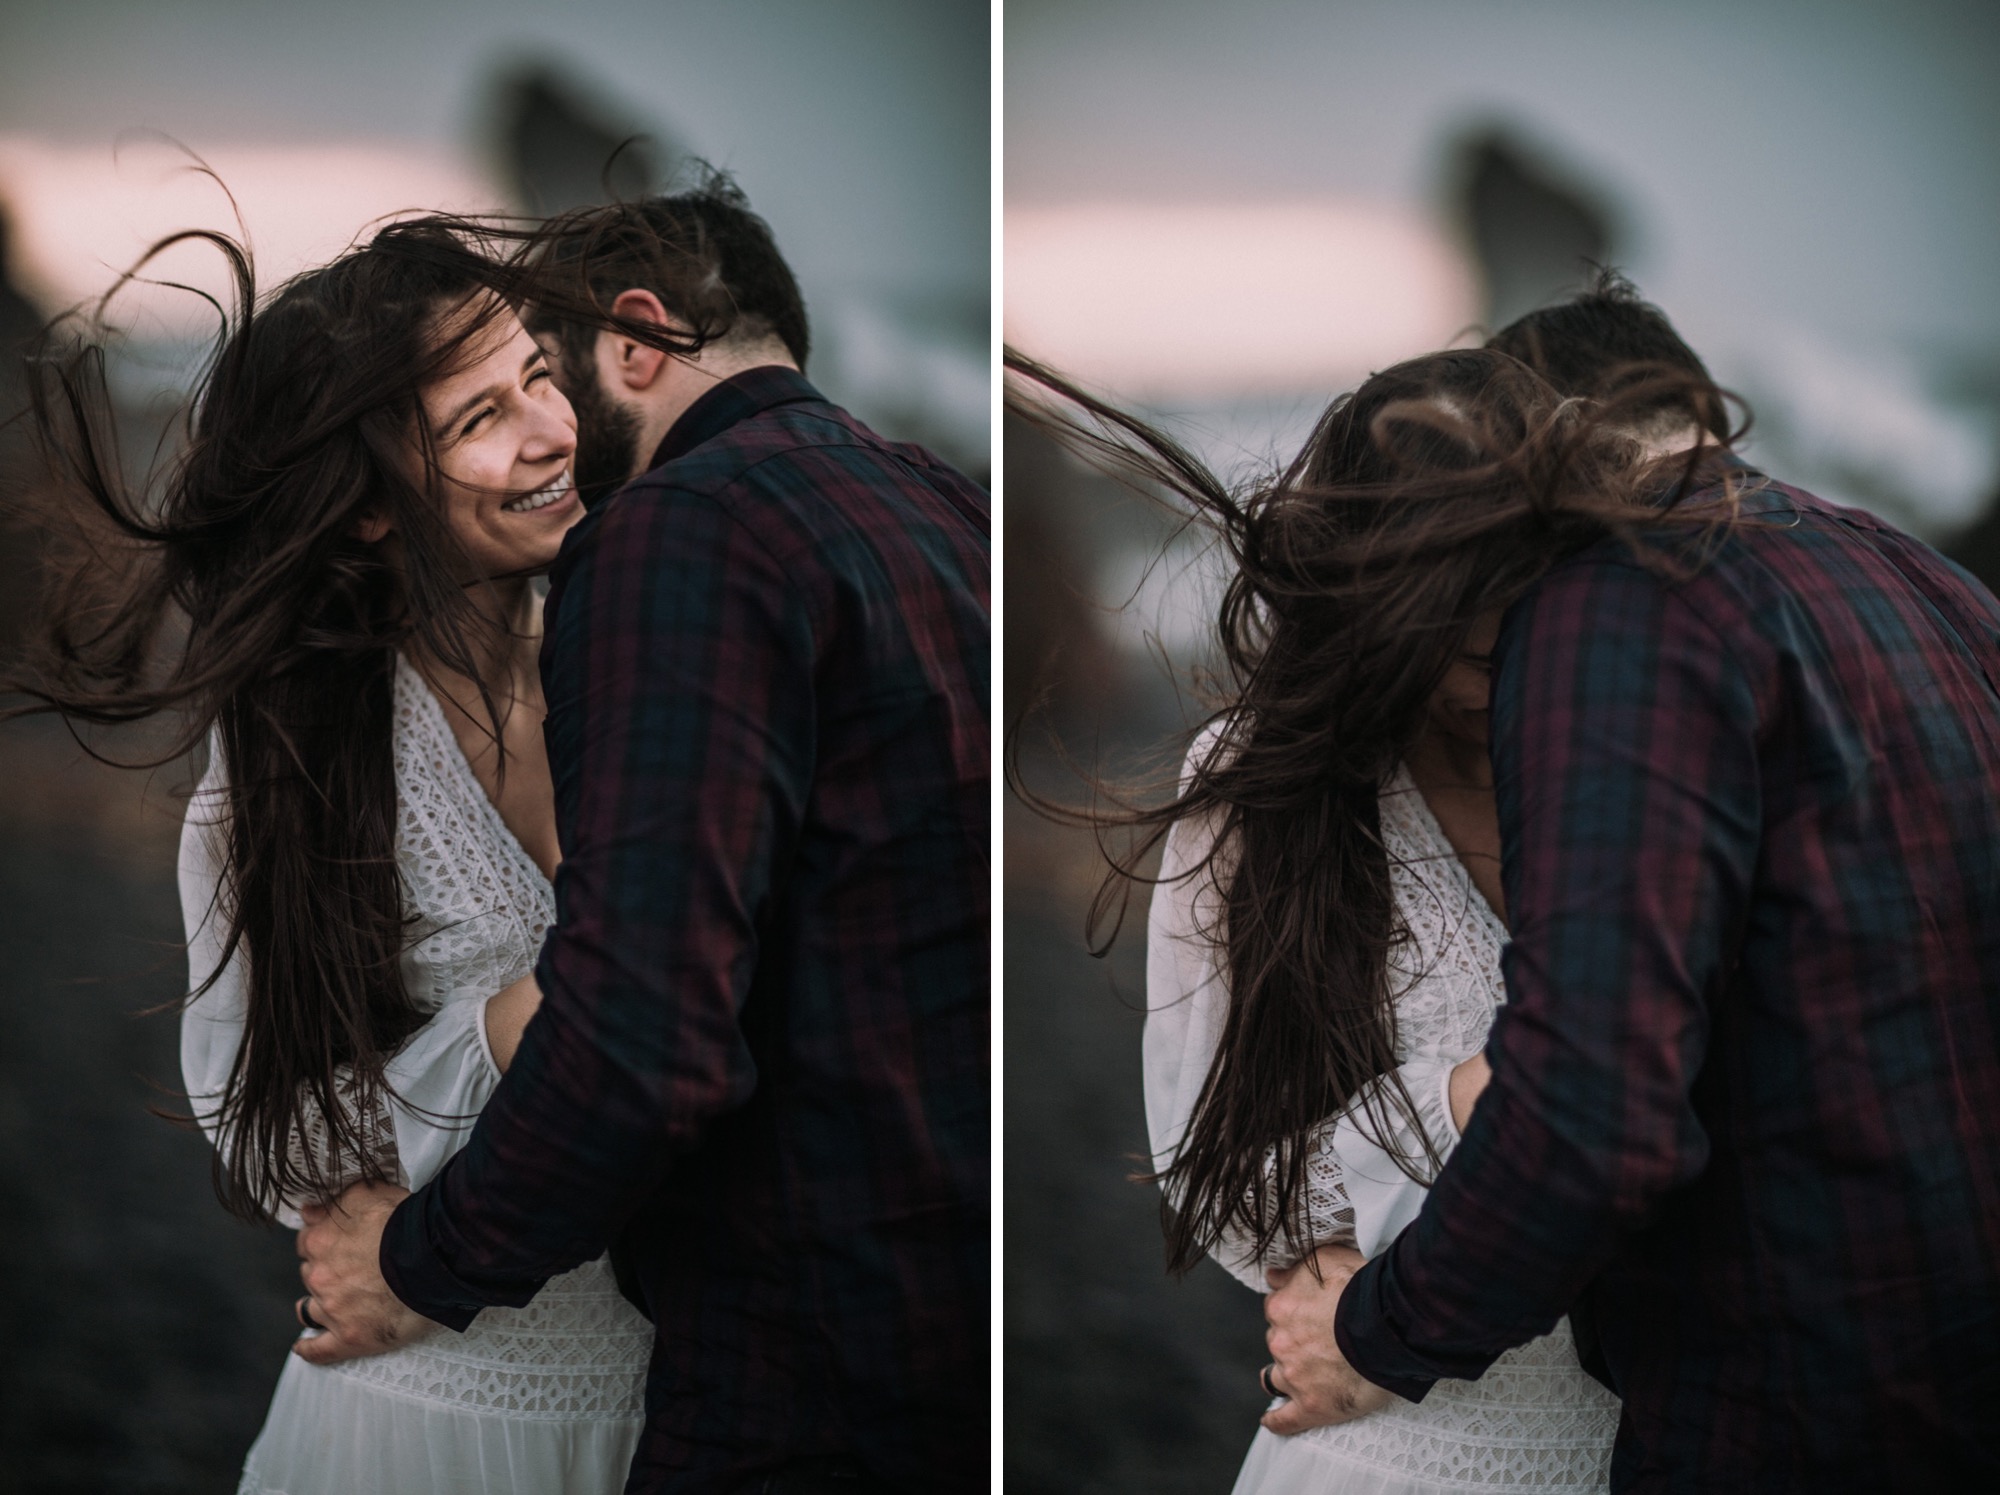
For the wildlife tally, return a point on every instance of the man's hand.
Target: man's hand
(339, 1253)
(1307, 1364)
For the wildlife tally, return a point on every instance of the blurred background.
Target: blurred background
(1227, 215)
(141, 1330)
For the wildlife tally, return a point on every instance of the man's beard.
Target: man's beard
(607, 442)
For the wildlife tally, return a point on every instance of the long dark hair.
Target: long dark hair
(1438, 491)
(230, 595)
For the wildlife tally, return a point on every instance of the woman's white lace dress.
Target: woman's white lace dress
(1535, 1420)
(542, 1400)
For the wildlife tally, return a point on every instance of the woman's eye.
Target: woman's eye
(474, 423)
(539, 374)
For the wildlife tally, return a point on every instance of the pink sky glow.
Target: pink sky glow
(1203, 301)
(82, 215)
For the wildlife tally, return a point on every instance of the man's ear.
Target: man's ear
(636, 365)
(371, 526)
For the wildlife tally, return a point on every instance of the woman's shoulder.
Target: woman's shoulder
(1193, 867)
(208, 804)
(1220, 739)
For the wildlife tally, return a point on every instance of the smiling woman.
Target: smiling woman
(503, 440)
(377, 466)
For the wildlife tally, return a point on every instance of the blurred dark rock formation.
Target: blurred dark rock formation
(1978, 549)
(561, 143)
(20, 320)
(1056, 655)
(1118, 1378)
(18, 316)
(141, 1329)
(1534, 229)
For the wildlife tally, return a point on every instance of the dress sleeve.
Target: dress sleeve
(438, 1079)
(212, 1021)
(1376, 1161)
(1355, 1193)
(1187, 1001)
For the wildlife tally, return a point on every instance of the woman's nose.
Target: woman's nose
(551, 435)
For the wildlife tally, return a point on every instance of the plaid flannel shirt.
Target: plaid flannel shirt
(1744, 1121)
(759, 1074)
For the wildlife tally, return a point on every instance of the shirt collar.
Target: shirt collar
(735, 399)
(1750, 483)
(1753, 488)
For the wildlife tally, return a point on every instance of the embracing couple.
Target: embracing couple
(601, 983)
(1574, 974)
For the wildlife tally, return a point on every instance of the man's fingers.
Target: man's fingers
(1279, 1276)
(312, 1240)
(1297, 1414)
(1343, 1259)
(326, 1349)
(329, 1348)
(355, 1197)
(1287, 1418)
(1282, 1345)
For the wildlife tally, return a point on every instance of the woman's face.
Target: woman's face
(1460, 705)
(505, 438)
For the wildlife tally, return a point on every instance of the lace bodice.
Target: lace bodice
(1535, 1420)
(481, 903)
(478, 908)
(1446, 980)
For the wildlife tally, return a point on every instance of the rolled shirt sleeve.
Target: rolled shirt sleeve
(1625, 753)
(679, 669)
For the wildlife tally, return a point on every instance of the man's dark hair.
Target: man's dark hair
(1608, 343)
(712, 262)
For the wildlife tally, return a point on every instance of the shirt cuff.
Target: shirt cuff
(1368, 1340)
(416, 1272)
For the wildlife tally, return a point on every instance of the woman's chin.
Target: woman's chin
(538, 534)
(521, 557)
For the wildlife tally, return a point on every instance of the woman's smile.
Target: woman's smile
(559, 495)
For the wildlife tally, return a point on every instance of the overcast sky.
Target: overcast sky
(1830, 163)
(858, 127)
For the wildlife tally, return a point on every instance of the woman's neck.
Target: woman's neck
(505, 639)
(503, 746)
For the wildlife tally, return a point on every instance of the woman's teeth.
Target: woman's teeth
(541, 498)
